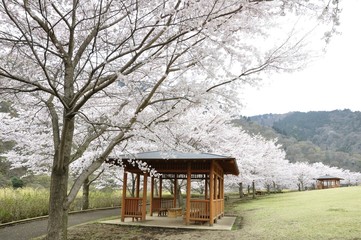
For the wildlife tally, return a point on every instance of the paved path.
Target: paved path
(37, 228)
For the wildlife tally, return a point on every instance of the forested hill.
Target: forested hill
(333, 137)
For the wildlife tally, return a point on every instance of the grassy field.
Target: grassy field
(22, 203)
(313, 215)
(323, 214)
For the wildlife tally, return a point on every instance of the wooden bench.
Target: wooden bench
(134, 215)
(162, 212)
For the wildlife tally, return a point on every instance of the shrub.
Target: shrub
(17, 182)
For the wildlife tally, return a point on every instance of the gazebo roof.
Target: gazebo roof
(172, 155)
(328, 177)
(158, 158)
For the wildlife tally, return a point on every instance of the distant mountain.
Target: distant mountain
(331, 137)
(269, 119)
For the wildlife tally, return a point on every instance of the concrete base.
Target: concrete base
(225, 223)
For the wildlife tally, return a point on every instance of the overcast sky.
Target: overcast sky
(332, 82)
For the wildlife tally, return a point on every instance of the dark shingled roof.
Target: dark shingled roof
(328, 177)
(172, 155)
(229, 164)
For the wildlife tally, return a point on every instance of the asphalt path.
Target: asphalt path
(36, 228)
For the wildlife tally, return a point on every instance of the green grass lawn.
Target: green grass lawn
(321, 214)
(333, 214)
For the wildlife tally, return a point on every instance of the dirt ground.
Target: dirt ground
(104, 231)
(98, 231)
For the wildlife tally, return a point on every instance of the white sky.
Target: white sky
(332, 82)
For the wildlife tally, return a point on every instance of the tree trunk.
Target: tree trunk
(253, 190)
(132, 186)
(58, 212)
(58, 199)
(171, 188)
(241, 195)
(274, 187)
(85, 199)
(179, 196)
(156, 187)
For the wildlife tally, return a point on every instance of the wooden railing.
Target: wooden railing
(200, 209)
(218, 208)
(133, 207)
(162, 203)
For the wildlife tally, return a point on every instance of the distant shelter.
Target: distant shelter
(328, 181)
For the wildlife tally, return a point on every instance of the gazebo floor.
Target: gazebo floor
(225, 223)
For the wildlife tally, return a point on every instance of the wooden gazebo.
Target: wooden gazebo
(328, 181)
(209, 168)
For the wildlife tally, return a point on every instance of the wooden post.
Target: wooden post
(144, 202)
(220, 188)
(216, 197)
(206, 188)
(160, 188)
(137, 185)
(151, 195)
(124, 194)
(222, 194)
(188, 201)
(211, 194)
(216, 184)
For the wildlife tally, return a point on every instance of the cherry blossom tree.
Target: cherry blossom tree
(85, 76)
(304, 174)
(209, 129)
(264, 163)
(348, 176)
(351, 178)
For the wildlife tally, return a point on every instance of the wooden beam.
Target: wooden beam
(124, 194)
(211, 194)
(144, 201)
(137, 185)
(188, 201)
(160, 187)
(206, 188)
(222, 195)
